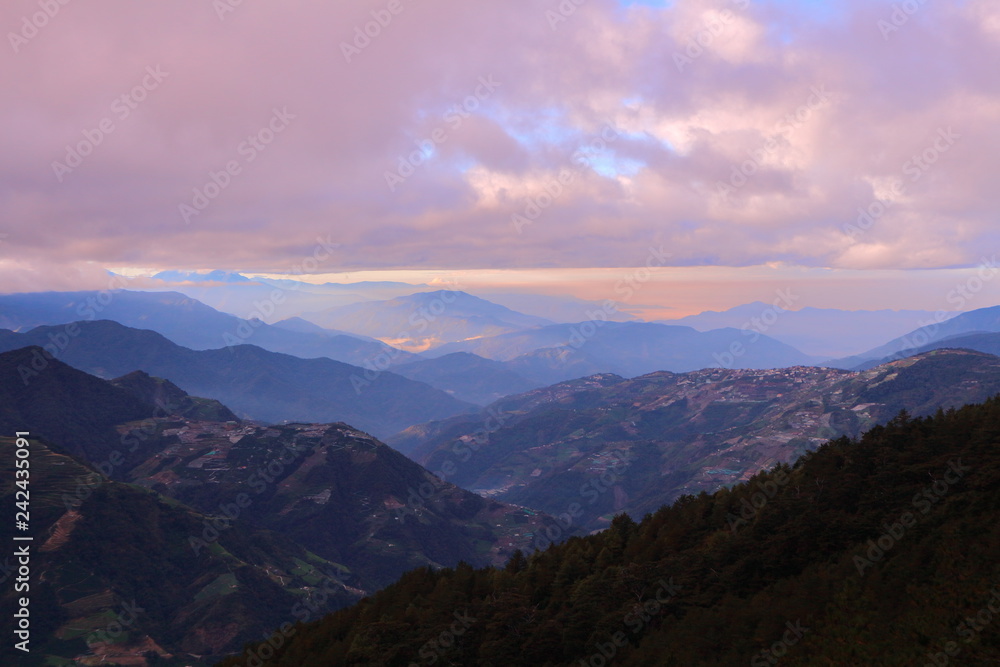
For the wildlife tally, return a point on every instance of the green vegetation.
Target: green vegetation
(63, 405)
(237, 533)
(677, 427)
(119, 547)
(873, 551)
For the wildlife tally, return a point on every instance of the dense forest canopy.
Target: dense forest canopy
(876, 551)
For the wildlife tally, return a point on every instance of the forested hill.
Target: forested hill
(880, 551)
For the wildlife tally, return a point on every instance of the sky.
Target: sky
(732, 147)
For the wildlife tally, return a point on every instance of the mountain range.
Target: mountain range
(880, 550)
(221, 529)
(254, 382)
(104, 549)
(820, 332)
(190, 323)
(634, 445)
(627, 348)
(532, 353)
(371, 333)
(933, 331)
(275, 485)
(236, 293)
(240, 294)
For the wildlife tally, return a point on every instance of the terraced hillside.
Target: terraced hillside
(113, 578)
(611, 445)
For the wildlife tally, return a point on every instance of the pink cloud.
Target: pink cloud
(682, 131)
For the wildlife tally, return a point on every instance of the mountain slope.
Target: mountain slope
(63, 404)
(168, 397)
(559, 309)
(331, 488)
(420, 440)
(337, 491)
(254, 382)
(973, 321)
(988, 343)
(305, 326)
(638, 444)
(108, 556)
(883, 551)
(322, 489)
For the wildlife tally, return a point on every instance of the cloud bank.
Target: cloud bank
(523, 134)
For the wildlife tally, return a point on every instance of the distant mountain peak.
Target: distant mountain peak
(299, 324)
(425, 320)
(216, 276)
(446, 296)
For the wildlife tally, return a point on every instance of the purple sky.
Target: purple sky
(432, 145)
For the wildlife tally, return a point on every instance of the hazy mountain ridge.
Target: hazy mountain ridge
(467, 377)
(188, 322)
(254, 382)
(987, 342)
(241, 295)
(934, 330)
(821, 332)
(426, 320)
(560, 352)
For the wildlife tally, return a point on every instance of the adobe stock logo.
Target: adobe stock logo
(779, 649)
(923, 502)
(249, 150)
(750, 508)
(454, 117)
(31, 25)
(713, 28)
(901, 15)
(120, 109)
(363, 35)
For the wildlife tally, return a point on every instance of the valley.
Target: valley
(551, 333)
(291, 497)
